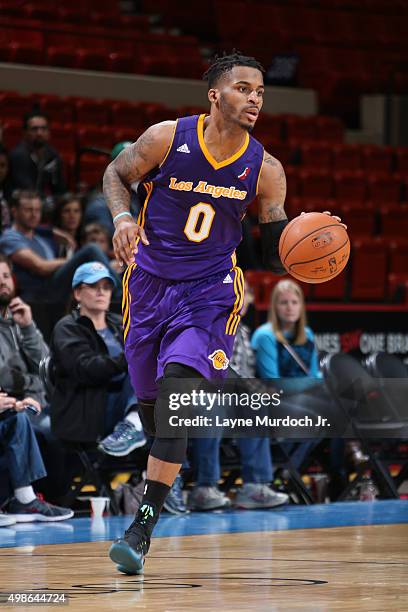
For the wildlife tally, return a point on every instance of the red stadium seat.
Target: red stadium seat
(59, 109)
(377, 159)
(398, 288)
(316, 156)
(384, 189)
(394, 221)
(273, 125)
(360, 219)
(316, 184)
(12, 133)
(300, 128)
(126, 134)
(63, 138)
(91, 59)
(99, 138)
(398, 256)
(120, 61)
(129, 115)
(334, 289)
(92, 168)
(254, 279)
(350, 186)
(15, 106)
(401, 156)
(347, 157)
(368, 269)
(292, 182)
(91, 112)
(284, 152)
(61, 56)
(329, 129)
(21, 46)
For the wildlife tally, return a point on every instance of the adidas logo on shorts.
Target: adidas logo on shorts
(227, 279)
(183, 149)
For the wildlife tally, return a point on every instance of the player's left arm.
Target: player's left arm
(272, 216)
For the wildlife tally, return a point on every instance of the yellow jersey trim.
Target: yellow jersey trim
(126, 299)
(239, 290)
(226, 162)
(170, 145)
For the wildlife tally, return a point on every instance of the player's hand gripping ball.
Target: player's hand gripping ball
(314, 247)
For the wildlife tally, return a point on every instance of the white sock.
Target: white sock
(25, 495)
(134, 418)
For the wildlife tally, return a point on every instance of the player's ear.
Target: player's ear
(213, 95)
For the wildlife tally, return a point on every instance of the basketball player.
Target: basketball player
(183, 291)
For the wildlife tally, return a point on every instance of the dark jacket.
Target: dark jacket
(83, 371)
(45, 176)
(21, 350)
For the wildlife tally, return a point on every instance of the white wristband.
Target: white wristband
(122, 214)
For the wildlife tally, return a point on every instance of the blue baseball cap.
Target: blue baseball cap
(90, 273)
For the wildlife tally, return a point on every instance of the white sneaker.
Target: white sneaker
(207, 498)
(257, 495)
(6, 520)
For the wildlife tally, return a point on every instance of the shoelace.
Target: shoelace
(122, 430)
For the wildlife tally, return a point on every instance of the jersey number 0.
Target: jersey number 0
(199, 222)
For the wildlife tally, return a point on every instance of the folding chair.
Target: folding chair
(388, 369)
(370, 415)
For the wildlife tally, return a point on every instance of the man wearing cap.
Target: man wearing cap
(97, 210)
(92, 387)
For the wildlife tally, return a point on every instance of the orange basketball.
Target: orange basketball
(314, 247)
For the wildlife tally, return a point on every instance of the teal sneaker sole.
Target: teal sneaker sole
(128, 560)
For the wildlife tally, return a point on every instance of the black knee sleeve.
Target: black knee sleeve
(146, 414)
(172, 450)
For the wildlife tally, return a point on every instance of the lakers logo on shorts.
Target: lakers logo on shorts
(219, 359)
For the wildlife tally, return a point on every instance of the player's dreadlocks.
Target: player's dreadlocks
(225, 62)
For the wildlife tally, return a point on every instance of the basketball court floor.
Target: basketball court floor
(340, 556)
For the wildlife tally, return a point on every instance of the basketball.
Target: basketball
(314, 247)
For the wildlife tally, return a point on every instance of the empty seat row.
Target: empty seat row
(375, 271)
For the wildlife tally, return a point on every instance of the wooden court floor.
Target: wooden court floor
(341, 568)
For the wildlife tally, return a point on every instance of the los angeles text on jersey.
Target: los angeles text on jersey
(203, 187)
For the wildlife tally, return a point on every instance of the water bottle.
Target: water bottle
(368, 490)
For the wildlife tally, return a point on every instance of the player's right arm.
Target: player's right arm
(131, 166)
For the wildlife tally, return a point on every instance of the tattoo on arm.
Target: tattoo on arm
(272, 212)
(124, 171)
(271, 204)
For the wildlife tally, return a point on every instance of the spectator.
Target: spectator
(42, 276)
(21, 344)
(96, 210)
(92, 387)
(96, 233)
(68, 213)
(35, 165)
(19, 449)
(5, 189)
(285, 349)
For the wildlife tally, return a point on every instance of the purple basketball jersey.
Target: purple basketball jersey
(194, 205)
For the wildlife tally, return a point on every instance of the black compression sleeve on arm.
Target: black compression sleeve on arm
(270, 234)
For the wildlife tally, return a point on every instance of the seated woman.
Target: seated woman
(93, 394)
(67, 217)
(285, 349)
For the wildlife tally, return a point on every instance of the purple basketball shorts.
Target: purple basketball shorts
(193, 323)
